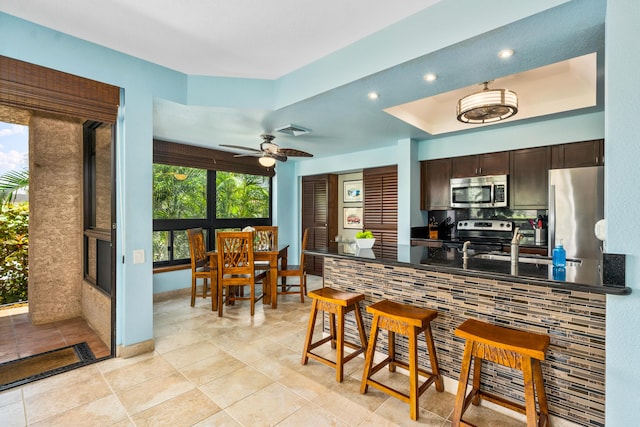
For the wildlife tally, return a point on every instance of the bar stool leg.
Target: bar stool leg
(392, 350)
(460, 405)
(477, 372)
(542, 396)
(371, 348)
(529, 393)
(433, 358)
(413, 374)
(311, 326)
(332, 329)
(363, 335)
(340, 345)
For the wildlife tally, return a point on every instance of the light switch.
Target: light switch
(138, 256)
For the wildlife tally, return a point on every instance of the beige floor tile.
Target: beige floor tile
(312, 415)
(440, 403)
(183, 410)
(484, 416)
(188, 355)
(12, 414)
(342, 407)
(229, 389)
(12, 395)
(144, 370)
(153, 392)
(64, 396)
(397, 412)
(101, 412)
(120, 362)
(206, 370)
(302, 385)
(266, 407)
(220, 419)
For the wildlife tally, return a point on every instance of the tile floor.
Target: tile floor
(229, 371)
(19, 338)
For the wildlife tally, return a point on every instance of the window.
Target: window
(189, 193)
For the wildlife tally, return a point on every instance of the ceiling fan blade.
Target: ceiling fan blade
(291, 152)
(241, 148)
(248, 155)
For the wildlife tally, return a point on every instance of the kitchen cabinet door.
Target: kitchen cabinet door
(435, 186)
(529, 178)
(480, 165)
(319, 215)
(578, 154)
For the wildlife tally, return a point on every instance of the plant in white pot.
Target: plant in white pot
(365, 239)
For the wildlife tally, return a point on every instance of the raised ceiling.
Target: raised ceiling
(272, 39)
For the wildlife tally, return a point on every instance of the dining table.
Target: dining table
(272, 256)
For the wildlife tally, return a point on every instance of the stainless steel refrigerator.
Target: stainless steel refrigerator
(576, 203)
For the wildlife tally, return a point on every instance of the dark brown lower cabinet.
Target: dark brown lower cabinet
(319, 215)
(381, 208)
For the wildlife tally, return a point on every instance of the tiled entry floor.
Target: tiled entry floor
(19, 338)
(229, 371)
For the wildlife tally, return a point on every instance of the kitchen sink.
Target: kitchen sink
(526, 258)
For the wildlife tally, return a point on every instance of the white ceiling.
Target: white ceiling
(237, 38)
(269, 39)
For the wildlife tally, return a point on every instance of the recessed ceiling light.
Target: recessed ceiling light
(505, 53)
(373, 95)
(430, 77)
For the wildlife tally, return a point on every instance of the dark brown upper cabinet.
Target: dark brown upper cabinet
(435, 187)
(578, 154)
(480, 165)
(529, 178)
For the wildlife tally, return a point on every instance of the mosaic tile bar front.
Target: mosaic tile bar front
(574, 369)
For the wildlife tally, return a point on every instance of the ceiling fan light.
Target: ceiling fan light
(267, 161)
(487, 106)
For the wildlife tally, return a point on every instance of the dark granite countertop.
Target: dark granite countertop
(583, 276)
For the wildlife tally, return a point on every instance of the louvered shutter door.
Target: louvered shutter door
(381, 208)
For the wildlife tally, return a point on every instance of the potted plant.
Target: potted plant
(365, 239)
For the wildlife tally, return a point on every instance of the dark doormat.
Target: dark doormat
(21, 371)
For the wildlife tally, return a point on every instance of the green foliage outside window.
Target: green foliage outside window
(179, 192)
(14, 250)
(241, 196)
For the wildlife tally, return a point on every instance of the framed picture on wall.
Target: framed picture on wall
(352, 218)
(352, 191)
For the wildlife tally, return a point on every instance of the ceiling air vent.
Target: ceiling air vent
(293, 130)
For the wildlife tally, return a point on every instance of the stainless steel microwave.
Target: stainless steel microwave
(479, 192)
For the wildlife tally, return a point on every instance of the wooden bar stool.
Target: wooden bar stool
(336, 303)
(509, 347)
(410, 321)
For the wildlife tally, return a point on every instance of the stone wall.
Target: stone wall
(55, 218)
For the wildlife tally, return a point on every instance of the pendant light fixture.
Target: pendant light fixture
(488, 105)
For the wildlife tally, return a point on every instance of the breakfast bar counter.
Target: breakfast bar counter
(570, 311)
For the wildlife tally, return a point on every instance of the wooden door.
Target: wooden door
(381, 208)
(319, 215)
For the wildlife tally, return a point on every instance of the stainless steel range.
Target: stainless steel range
(485, 231)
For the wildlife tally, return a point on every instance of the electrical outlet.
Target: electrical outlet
(138, 256)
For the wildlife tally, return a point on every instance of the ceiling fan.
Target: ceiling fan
(269, 151)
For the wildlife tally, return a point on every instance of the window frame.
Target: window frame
(213, 161)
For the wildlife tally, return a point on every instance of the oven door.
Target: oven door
(472, 195)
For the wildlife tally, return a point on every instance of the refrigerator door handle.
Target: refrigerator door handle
(552, 219)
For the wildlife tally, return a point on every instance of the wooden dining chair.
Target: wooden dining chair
(298, 271)
(236, 268)
(203, 266)
(266, 235)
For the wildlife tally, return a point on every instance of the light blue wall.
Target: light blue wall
(622, 205)
(141, 82)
